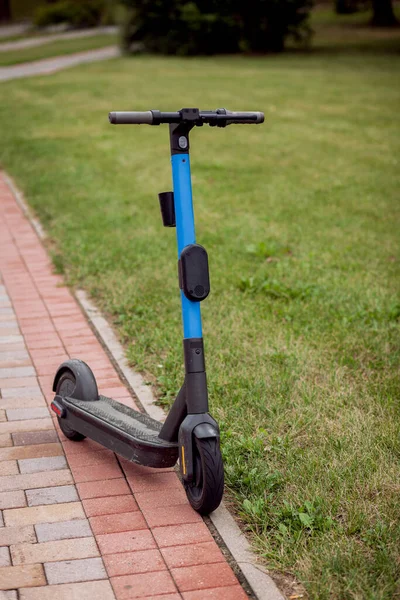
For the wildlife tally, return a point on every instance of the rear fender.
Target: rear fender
(86, 386)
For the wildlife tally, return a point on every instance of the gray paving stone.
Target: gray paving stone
(1, 519)
(22, 402)
(31, 392)
(52, 495)
(35, 465)
(70, 571)
(11, 30)
(21, 414)
(16, 362)
(10, 325)
(13, 355)
(11, 595)
(10, 339)
(28, 438)
(64, 530)
(5, 560)
(17, 372)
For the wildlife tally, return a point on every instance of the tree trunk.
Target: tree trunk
(5, 10)
(383, 14)
(344, 7)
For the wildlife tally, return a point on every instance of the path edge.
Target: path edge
(54, 64)
(257, 577)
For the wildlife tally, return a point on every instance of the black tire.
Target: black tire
(65, 387)
(206, 490)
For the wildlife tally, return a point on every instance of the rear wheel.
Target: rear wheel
(65, 387)
(206, 490)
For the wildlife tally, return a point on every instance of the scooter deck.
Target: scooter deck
(122, 429)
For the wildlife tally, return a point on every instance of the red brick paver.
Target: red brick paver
(75, 522)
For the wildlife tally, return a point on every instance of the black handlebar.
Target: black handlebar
(219, 118)
(131, 118)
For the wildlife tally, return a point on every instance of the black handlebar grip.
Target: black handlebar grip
(245, 118)
(131, 118)
(260, 117)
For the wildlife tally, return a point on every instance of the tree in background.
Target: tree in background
(5, 10)
(383, 13)
(215, 26)
(73, 13)
(346, 7)
(266, 24)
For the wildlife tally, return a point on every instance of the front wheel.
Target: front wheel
(206, 490)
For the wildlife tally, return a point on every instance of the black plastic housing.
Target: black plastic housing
(201, 426)
(193, 351)
(194, 277)
(167, 207)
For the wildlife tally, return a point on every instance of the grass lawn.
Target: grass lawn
(300, 217)
(57, 48)
(22, 36)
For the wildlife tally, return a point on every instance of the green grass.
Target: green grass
(30, 33)
(57, 48)
(33, 33)
(300, 217)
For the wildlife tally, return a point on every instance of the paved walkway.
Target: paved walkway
(76, 523)
(10, 30)
(55, 37)
(57, 63)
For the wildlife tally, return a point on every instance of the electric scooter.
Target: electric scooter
(189, 432)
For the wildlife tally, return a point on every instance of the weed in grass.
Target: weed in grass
(58, 263)
(309, 517)
(269, 250)
(274, 289)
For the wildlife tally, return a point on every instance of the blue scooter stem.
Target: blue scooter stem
(185, 235)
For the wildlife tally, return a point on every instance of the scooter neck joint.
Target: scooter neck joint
(179, 136)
